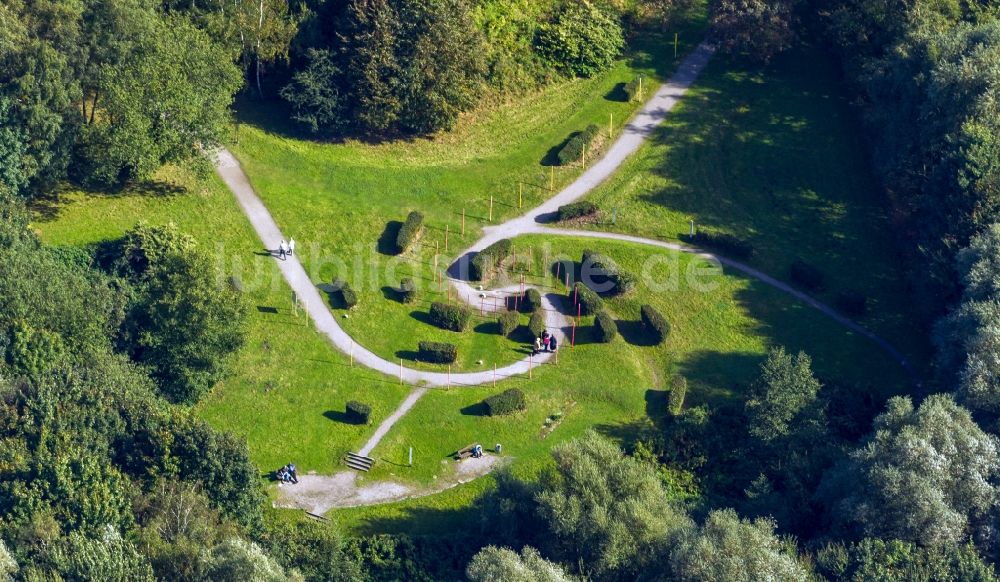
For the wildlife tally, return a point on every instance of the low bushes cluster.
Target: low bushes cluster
(410, 232)
(678, 391)
(537, 323)
(437, 352)
(632, 90)
(407, 291)
(358, 412)
(727, 244)
(806, 275)
(577, 210)
(605, 274)
(531, 301)
(572, 151)
(451, 317)
(508, 321)
(853, 303)
(590, 302)
(507, 402)
(654, 321)
(605, 327)
(347, 295)
(487, 260)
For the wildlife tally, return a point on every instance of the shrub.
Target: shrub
(806, 275)
(358, 412)
(658, 325)
(407, 291)
(606, 327)
(532, 300)
(632, 89)
(583, 39)
(577, 210)
(437, 352)
(590, 302)
(562, 267)
(507, 402)
(508, 321)
(487, 260)
(537, 323)
(347, 295)
(572, 150)
(727, 244)
(853, 303)
(604, 272)
(410, 232)
(451, 317)
(678, 390)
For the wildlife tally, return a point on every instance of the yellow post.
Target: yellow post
(640, 86)
(611, 125)
(584, 155)
(520, 193)
(446, 238)
(552, 178)
(491, 208)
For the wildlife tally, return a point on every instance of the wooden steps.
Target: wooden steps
(359, 462)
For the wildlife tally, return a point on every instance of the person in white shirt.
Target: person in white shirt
(291, 246)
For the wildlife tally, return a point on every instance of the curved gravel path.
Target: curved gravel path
(632, 137)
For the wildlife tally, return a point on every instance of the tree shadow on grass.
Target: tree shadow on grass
(387, 240)
(656, 403)
(477, 409)
(634, 333)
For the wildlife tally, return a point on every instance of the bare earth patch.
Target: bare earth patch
(320, 493)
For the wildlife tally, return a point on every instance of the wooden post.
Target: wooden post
(640, 86)
(494, 375)
(573, 340)
(576, 295)
(567, 280)
(522, 283)
(463, 223)
(520, 194)
(446, 238)
(491, 208)
(558, 268)
(552, 177)
(675, 45)
(611, 125)
(578, 313)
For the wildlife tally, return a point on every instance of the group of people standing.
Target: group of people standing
(545, 343)
(286, 248)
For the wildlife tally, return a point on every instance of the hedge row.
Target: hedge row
(658, 325)
(577, 210)
(590, 302)
(537, 323)
(508, 321)
(531, 301)
(632, 90)
(727, 244)
(487, 260)
(349, 297)
(806, 275)
(410, 231)
(602, 269)
(437, 352)
(452, 317)
(506, 402)
(573, 150)
(407, 291)
(605, 327)
(358, 412)
(678, 390)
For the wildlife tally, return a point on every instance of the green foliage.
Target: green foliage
(582, 40)
(897, 561)
(437, 352)
(806, 275)
(726, 547)
(605, 327)
(678, 391)
(655, 323)
(450, 317)
(507, 402)
(408, 290)
(145, 248)
(508, 321)
(602, 274)
(755, 29)
(410, 232)
(574, 148)
(536, 323)
(316, 101)
(348, 297)
(8, 566)
(238, 559)
(317, 550)
(580, 209)
(727, 244)
(632, 89)
(78, 557)
(926, 475)
(589, 302)
(358, 412)
(531, 301)
(487, 261)
(783, 396)
(493, 564)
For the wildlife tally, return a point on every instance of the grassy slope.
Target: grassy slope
(772, 156)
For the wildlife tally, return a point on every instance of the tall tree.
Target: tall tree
(755, 29)
(784, 390)
(494, 564)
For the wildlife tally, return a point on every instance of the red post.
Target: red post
(576, 296)
(573, 339)
(558, 269)
(567, 280)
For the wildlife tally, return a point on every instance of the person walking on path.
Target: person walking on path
(291, 246)
(282, 250)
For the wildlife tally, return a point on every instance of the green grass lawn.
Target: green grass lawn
(772, 156)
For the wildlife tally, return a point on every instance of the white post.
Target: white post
(411, 456)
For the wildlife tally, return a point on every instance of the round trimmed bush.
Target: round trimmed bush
(358, 412)
(537, 323)
(507, 402)
(605, 327)
(508, 321)
(347, 295)
(410, 232)
(437, 352)
(531, 301)
(577, 210)
(407, 291)
(590, 302)
(450, 317)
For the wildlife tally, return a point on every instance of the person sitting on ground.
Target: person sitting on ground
(545, 340)
(552, 343)
(292, 474)
(538, 346)
(281, 474)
